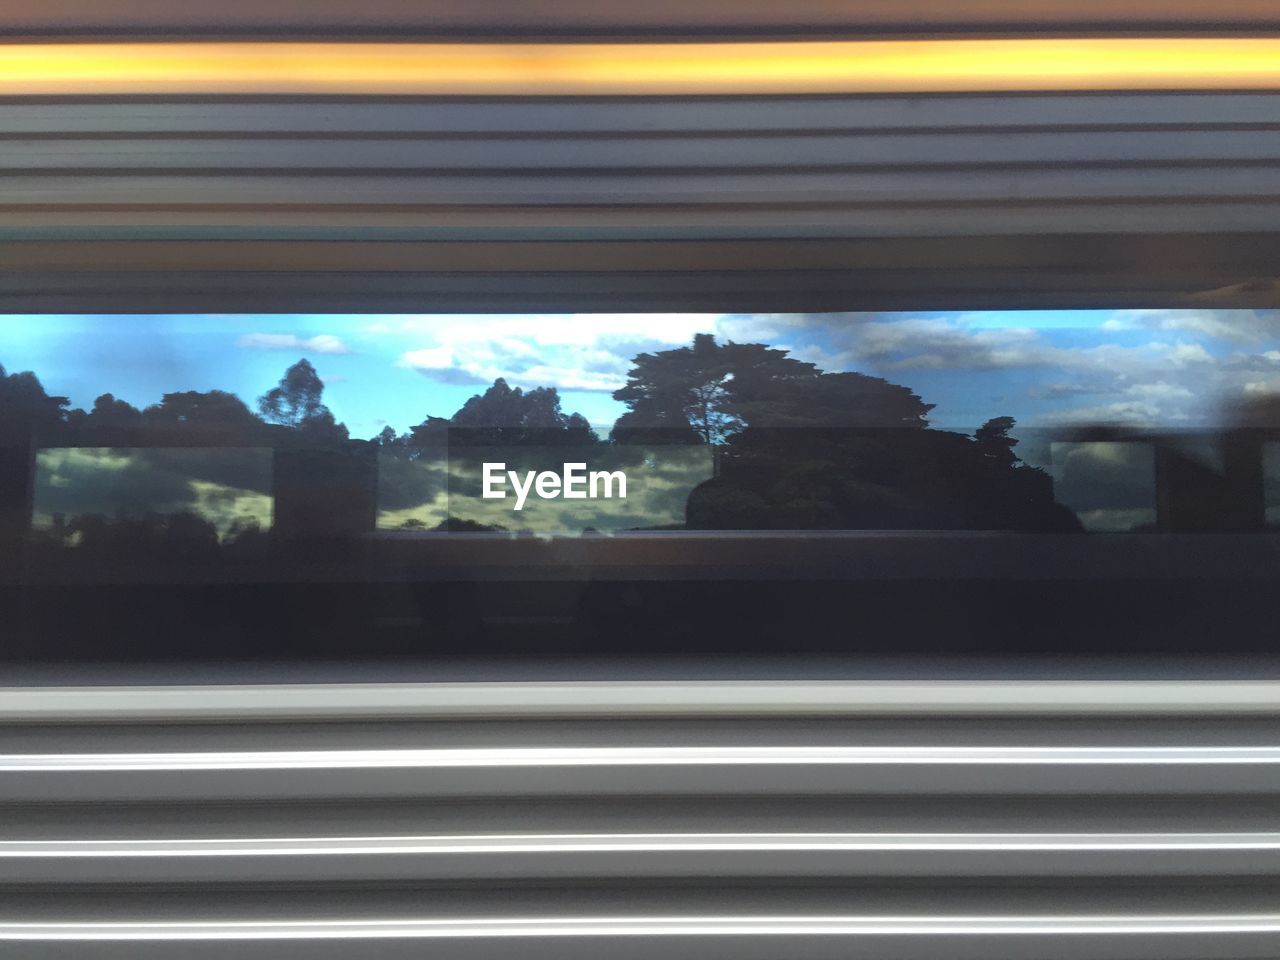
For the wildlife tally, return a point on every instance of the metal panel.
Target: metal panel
(686, 154)
(681, 819)
(1129, 197)
(660, 18)
(634, 117)
(636, 699)
(497, 857)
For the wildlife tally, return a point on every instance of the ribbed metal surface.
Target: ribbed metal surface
(1071, 819)
(683, 169)
(662, 18)
(744, 203)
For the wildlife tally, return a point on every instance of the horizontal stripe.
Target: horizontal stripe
(636, 843)
(569, 757)
(867, 66)
(638, 117)
(500, 927)
(546, 156)
(479, 700)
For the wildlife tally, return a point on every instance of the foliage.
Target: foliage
(25, 407)
(688, 395)
(507, 415)
(710, 392)
(297, 402)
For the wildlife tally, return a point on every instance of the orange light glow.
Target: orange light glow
(389, 69)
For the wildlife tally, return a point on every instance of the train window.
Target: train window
(430, 485)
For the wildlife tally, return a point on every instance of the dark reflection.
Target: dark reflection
(800, 449)
(1148, 481)
(1110, 483)
(155, 504)
(877, 479)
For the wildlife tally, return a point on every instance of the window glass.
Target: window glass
(294, 479)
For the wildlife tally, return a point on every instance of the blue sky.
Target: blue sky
(1151, 367)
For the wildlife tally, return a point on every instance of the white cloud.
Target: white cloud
(1242, 326)
(1132, 413)
(430, 358)
(916, 343)
(1189, 353)
(320, 343)
(1143, 404)
(1160, 391)
(1166, 380)
(935, 344)
(538, 331)
(590, 352)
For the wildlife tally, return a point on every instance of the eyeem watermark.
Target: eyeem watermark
(572, 483)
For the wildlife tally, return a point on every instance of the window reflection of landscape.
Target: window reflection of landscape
(227, 427)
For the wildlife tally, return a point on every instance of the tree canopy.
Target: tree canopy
(709, 392)
(297, 402)
(504, 414)
(107, 413)
(802, 448)
(26, 407)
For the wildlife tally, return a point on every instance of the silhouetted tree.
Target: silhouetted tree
(504, 414)
(296, 398)
(139, 537)
(108, 413)
(297, 402)
(213, 408)
(323, 426)
(687, 395)
(431, 432)
(463, 525)
(994, 440)
(804, 449)
(825, 401)
(26, 408)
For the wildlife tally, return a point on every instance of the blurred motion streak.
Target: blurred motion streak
(641, 69)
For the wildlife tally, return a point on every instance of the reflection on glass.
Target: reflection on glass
(89, 495)
(1111, 486)
(276, 486)
(327, 427)
(611, 487)
(1271, 483)
(413, 489)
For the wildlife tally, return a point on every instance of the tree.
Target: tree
(710, 392)
(504, 414)
(296, 402)
(108, 413)
(804, 449)
(214, 408)
(994, 440)
(845, 401)
(323, 426)
(689, 394)
(25, 407)
(296, 399)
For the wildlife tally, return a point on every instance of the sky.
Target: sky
(1157, 368)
